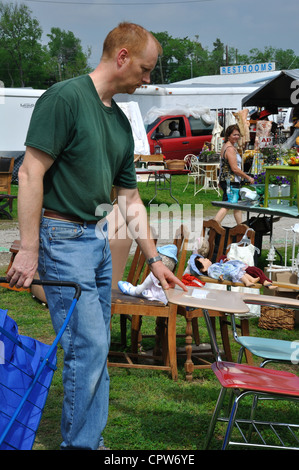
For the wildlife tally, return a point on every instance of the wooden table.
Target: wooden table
(6, 201)
(212, 302)
(290, 172)
(166, 175)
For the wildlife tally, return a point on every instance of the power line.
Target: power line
(171, 2)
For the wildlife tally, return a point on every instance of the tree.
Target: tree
(181, 59)
(20, 50)
(66, 52)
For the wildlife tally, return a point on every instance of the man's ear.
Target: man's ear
(122, 56)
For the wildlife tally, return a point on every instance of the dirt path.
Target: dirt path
(9, 231)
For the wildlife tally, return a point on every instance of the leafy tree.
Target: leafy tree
(181, 59)
(20, 50)
(25, 62)
(66, 53)
(286, 59)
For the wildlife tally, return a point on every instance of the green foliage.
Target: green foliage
(184, 58)
(24, 61)
(66, 51)
(20, 47)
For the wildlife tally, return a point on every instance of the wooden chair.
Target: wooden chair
(137, 308)
(6, 168)
(219, 239)
(216, 236)
(6, 199)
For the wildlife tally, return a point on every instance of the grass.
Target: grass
(184, 197)
(148, 411)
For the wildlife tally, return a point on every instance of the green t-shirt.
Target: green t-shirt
(92, 145)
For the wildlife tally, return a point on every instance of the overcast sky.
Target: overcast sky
(242, 24)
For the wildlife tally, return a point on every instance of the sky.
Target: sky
(242, 24)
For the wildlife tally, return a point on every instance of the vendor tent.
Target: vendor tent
(280, 91)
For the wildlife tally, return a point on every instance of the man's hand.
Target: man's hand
(166, 277)
(23, 269)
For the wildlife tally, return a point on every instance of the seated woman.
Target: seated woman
(232, 270)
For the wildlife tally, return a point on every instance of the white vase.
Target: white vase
(285, 191)
(273, 192)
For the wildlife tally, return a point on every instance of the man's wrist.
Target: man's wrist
(153, 260)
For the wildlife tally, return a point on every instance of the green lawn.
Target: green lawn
(148, 411)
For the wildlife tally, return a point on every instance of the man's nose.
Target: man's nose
(147, 78)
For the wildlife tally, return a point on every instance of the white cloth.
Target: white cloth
(244, 253)
(154, 291)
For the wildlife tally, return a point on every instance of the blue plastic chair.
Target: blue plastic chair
(271, 350)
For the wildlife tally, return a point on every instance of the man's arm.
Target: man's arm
(134, 212)
(30, 200)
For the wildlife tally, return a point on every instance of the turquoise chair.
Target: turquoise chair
(271, 350)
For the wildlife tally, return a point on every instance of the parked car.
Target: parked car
(178, 135)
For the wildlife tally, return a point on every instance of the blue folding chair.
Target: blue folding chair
(271, 350)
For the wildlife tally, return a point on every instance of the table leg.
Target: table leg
(189, 365)
(266, 190)
(170, 190)
(245, 332)
(156, 189)
(211, 332)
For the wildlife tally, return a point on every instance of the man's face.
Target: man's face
(138, 68)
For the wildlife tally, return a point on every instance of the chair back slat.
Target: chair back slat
(215, 235)
(6, 168)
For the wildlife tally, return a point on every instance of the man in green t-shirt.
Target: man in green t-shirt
(79, 144)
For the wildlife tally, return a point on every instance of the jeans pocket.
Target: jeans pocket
(65, 231)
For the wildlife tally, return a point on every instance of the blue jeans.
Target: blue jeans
(76, 253)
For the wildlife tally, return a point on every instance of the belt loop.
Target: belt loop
(84, 224)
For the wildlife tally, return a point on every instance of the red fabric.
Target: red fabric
(190, 280)
(257, 272)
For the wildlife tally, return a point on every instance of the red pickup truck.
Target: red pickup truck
(178, 135)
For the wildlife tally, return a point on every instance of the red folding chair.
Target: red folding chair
(244, 380)
(247, 380)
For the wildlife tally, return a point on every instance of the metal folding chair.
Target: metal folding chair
(191, 164)
(245, 380)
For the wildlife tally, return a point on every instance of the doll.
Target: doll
(232, 270)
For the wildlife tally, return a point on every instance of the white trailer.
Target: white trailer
(16, 106)
(213, 92)
(212, 97)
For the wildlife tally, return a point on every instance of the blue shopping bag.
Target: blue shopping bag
(21, 358)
